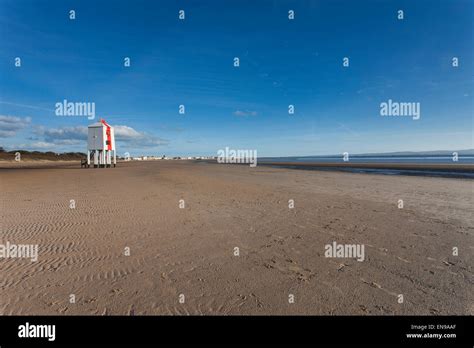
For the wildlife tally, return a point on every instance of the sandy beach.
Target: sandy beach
(183, 260)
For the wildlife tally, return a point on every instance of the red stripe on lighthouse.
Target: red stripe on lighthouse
(109, 136)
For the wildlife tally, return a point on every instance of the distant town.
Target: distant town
(74, 156)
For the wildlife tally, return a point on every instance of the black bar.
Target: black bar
(288, 330)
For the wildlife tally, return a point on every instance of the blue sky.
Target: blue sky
(282, 62)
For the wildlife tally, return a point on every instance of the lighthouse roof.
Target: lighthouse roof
(101, 123)
(97, 124)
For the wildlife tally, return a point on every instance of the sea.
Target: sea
(451, 172)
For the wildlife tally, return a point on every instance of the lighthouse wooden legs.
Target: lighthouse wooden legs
(108, 159)
(101, 159)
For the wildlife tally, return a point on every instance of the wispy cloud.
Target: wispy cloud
(171, 129)
(347, 129)
(245, 113)
(26, 106)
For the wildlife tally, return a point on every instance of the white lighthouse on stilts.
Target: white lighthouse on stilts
(101, 145)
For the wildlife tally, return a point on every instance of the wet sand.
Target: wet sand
(191, 251)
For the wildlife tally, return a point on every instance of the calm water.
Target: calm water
(369, 159)
(467, 174)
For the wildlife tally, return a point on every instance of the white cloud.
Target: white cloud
(135, 138)
(40, 145)
(10, 125)
(58, 135)
(126, 132)
(34, 146)
(78, 135)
